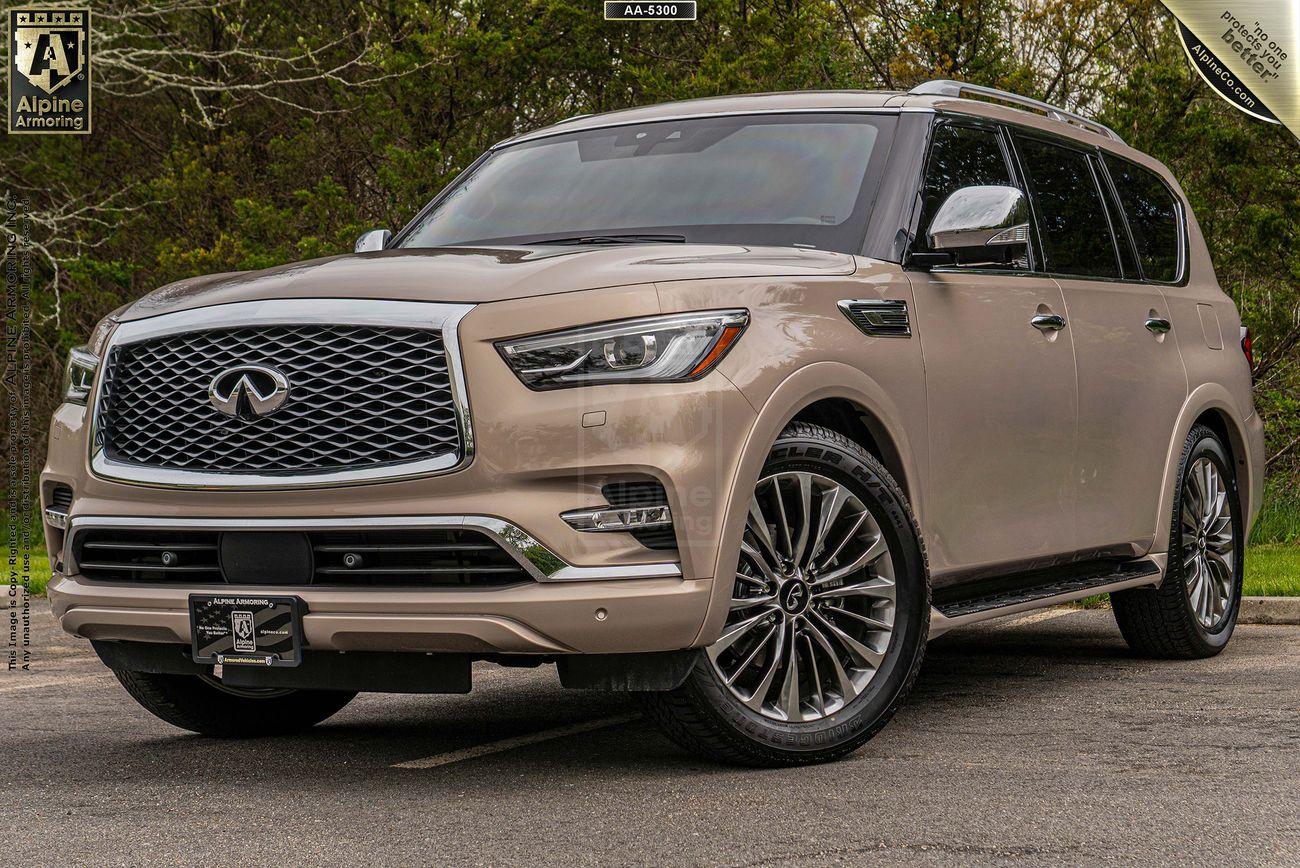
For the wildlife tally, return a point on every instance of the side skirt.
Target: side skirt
(1012, 595)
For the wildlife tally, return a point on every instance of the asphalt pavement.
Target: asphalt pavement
(1032, 741)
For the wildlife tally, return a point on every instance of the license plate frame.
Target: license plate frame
(246, 629)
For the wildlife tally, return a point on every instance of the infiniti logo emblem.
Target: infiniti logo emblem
(248, 391)
(793, 596)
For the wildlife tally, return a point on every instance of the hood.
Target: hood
(473, 275)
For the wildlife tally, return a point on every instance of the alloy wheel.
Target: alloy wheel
(813, 603)
(1209, 547)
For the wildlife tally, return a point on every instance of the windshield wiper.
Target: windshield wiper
(615, 239)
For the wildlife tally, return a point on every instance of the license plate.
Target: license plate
(239, 630)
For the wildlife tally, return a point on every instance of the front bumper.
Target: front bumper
(563, 609)
(634, 615)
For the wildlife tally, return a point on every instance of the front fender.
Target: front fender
(806, 386)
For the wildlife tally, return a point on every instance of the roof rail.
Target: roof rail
(948, 87)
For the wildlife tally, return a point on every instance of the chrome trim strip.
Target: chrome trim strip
(305, 311)
(540, 562)
(617, 519)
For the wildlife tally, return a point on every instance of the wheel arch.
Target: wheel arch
(1213, 406)
(836, 396)
(862, 426)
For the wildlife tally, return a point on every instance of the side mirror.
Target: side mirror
(375, 239)
(981, 224)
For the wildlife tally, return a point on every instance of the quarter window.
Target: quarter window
(959, 157)
(1072, 225)
(1152, 217)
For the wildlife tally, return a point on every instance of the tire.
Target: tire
(1170, 621)
(200, 705)
(759, 719)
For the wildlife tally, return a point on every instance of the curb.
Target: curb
(1269, 610)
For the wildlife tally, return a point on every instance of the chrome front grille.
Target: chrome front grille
(361, 396)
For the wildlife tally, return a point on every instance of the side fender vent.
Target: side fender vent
(880, 318)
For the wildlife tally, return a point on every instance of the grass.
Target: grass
(1273, 558)
(1273, 571)
(1279, 520)
(40, 574)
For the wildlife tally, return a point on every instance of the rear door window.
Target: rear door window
(1075, 235)
(1152, 216)
(1127, 257)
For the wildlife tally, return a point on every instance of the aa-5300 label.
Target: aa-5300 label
(623, 11)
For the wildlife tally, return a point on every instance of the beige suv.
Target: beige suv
(729, 403)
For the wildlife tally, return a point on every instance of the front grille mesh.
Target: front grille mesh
(425, 558)
(359, 396)
(148, 556)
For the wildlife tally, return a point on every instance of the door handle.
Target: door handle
(1048, 322)
(1158, 325)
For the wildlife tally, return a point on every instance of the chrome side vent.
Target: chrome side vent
(56, 512)
(880, 318)
(650, 497)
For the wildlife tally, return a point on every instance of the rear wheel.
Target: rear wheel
(1193, 612)
(202, 704)
(829, 614)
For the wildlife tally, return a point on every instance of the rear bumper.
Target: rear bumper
(1255, 462)
(620, 616)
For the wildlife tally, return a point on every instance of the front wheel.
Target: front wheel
(829, 614)
(1193, 612)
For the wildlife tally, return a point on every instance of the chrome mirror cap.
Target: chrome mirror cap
(375, 239)
(980, 216)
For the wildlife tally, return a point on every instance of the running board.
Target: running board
(1041, 590)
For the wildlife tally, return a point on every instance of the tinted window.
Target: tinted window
(796, 179)
(1072, 225)
(959, 157)
(1152, 217)
(1127, 259)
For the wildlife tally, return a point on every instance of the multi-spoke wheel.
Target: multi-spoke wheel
(813, 604)
(828, 613)
(1209, 544)
(1193, 612)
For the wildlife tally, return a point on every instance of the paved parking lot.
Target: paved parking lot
(1035, 741)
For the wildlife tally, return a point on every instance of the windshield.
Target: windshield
(790, 180)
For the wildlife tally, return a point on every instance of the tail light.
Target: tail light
(1247, 347)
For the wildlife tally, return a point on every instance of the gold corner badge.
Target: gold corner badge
(49, 71)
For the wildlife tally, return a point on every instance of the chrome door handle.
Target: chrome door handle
(1158, 325)
(1048, 322)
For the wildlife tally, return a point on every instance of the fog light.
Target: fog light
(611, 519)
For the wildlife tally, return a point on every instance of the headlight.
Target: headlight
(652, 350)
(79, 375)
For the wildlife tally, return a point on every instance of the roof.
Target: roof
(939, 95)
